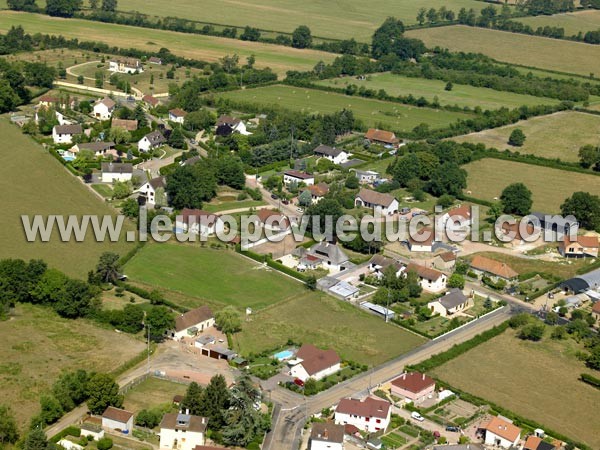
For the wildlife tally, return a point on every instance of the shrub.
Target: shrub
(104, 444)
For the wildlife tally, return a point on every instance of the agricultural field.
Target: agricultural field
(326, 322)
(152, 392)
(550, 187)
(559, 135)
(37, 345)
(507, 371)
(50, 189)
(216, 276)
(206, 48)
(572, 22)
(461, 95)
(531, 51)
(395, 116)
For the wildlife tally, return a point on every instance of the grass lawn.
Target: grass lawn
(54, 57)
(572, 22)
(219, 276)
(207, 48)
(324, 321)
(216, 207)
(37, 345)
(461, 94)
(538, 380)
(103, 189)
(550, 187)
(534, 51)
(152, 392)
(559, 135)
(436, 325)
(372, 112)
(49, 189)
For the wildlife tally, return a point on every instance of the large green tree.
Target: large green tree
(193, 401)
(108, 268)
(516, 199)
(159, 319)
(215, 400)
(448, 178)
(63, 8)
(22, 5)
(228, 320)
(302, 37)
(191, 186)
(103, 391)
(585, 207)
(9, 432)
(385, 37)
(36, 440)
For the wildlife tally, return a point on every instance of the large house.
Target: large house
(579, 247)
(430, 279)
(63, 134)
(182, 431)
(324, 254)
(192, 322)
(112, 172)
(104, 108)
(326, 436)
(126, 124)
(196, 221)
(295, 176)
(537, 443)
(227, 125)
(98, 148)
(335, 155)
(370, 415)
(454, 301)
(382, 203)
(413, 386)
(177, 115)
(272, 221)
(125, 65)
(382, 137)
(494, 269)
(148, 189)
(315, 363)
(117, 419)
(500, 432)
(151, 141)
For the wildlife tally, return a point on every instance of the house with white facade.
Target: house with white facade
(385, 204)
(148, 189)
(323, 254)
(430, 279)
(112, 172)
(125, 65)
(273, 221)
(99, 148)
(370, 415)
(366, 176)
(335, 155)
(454, 301)
(500, 432)
(117, 419)
(457, 219)
(227, 125)
(63, 134)
(177, 115)
(151, 141)
(317, 192)
(379, 263)
(191, 323)
(180, 431)
(326, 436)
(104, 108)
(312, 362)
(421, 241)
(413, 386)
(200, 222)
(295, 176)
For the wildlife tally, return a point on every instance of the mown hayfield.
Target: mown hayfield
(207, 48)
(395, 116)
(326, 322)
(537, 380)
(533, 51)
(35, 183)
(559, 135)
(37, 345)
(461, 95)
(572, 22)
(550, 187)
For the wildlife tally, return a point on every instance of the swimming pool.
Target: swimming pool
(68, 158)
(283, 355)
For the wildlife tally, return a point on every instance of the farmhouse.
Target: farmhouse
(192, 322)
(126, 124)
(367, 176)
(326, 436)
(368, 415)
(501, 433)
(151, 141)
(451, 303)
(104, 108)
(444, 261)
(413, 386)
(384, 204)
(196, 221)
(116, 172)
(125, 65)
(315, 363)
(150, 101)
(317, 191)
(382, 137)
(63, 134)
(295, 176)
(177, 115)
(272, 220)
(335, 155)
(98, 148)
(422, 241)
(494, 269)
(182, 431)
(117, 419)
(579, 247)
(430, 279)
(148, 189)
(227, 125)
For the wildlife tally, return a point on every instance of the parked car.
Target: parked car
(285, 202)
(300, 210)
(415, 415)
(274, 196)
(452, 429)
(299, 382)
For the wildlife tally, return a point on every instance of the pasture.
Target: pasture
(37, 345)
(550, 187)
(508, 371)
(531, 51)
(50, 189)
(460, 95)
(206, 48)
(373, 113)
(326, 322)
(572, 22)
(559, 135)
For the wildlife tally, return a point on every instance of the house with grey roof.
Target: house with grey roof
(335, 155)
(116, 172)
(454, 301)
(332, 257)
(63, 134)
(384, 204)
(151, 141)
(366, 176)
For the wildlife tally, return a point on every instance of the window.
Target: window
(378, 421)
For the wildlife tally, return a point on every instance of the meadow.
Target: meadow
(206, 48)
(37, 345)
(38, 184)
(531, 51)
(572, 22)
(373, 113)
(559, 135)
(508, 371)
(461, 95)
(152, 392)
(326, 322)
(550, 187)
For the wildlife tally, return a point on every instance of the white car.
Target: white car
(415, 415)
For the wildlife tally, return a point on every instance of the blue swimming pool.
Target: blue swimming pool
(283, 355)
(68, 158)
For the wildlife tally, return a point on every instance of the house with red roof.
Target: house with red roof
(370, 415)
(500, 432)
(431, 280)
(312, 362)
(382, 137)
(295, 176)
(457, 219)
(177, 115)
(413, 386)
(492, 268)
(579, 247)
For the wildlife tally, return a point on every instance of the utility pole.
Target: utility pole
(387, 306)
(148, 326)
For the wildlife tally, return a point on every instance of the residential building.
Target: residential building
(125, 65)
(155, 60)
(312, 362)
(272, 220)
(98, 148)
(177, 115)
(413, 386)
(502, 433)
(112, 172)
(579, 247)
(148, 189)
(295, 176)
(457, 219)
(182, 431)
(454, 301)
(117, 419)
(555, 226)
(192, 322)
(382, 137)
(227, 125)
(366, 176)
(430, 279)
(331, 256)
(151, 141)
(379, 263)
(150, 101)
(104, 108)
(444, 261)
(422, 241)
(518, 233)
(384, 204)
(370, 414)
(326, 436)
(494, 269)
(196, 221)
(126, 124)
(317, 191)
(63, 134)
(335, 155)
(46, 101)
(537, 443)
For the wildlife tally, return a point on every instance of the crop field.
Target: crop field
(218, 276)
(326, 322)
(206, 48)
(531, 51)
(372, 112)
(49, 189)
(507, 371)
(572, 22)
(37, 345)
(557, 135)
(461, 95)
(550, 187)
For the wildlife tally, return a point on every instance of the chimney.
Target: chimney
(423, 377)
(187, 410)
(325, 433)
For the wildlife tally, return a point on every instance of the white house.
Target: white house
(499, 432)
(317, 192)
(335, 155)
(421, 241)
(457, 219)
(112, 172)
(192, 323)
(379, 263)
(99, 148)
(125, 65)
(104, 108)
(227, 125)
(329, 256)
(366, 176)
(430, 279)
(295, 176)
(199, 222)
(148, 189)
(370, 415)
(117, 419)
(272, 220)
(382, 203)
(92, 430)
(182, 431)
(451, 303)
(68, 445)
(63, 134)
(326, 436)
(177, 115)
(312, 362)
(151, 141)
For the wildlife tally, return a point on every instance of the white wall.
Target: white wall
(110, 177)
(361, 423)
(186, 440)
(201, 327)
(114, 425)
(298, 371)
(490, 439)
(325, 445)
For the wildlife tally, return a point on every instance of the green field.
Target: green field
(219, 276)
(572, 22)
(372, 112)
(536, 380)
(152, 392)
(533, 51)
(326, 322)
(207, 48)
(557, 135)
(550, 187)
(461, 95)
(38, 184)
